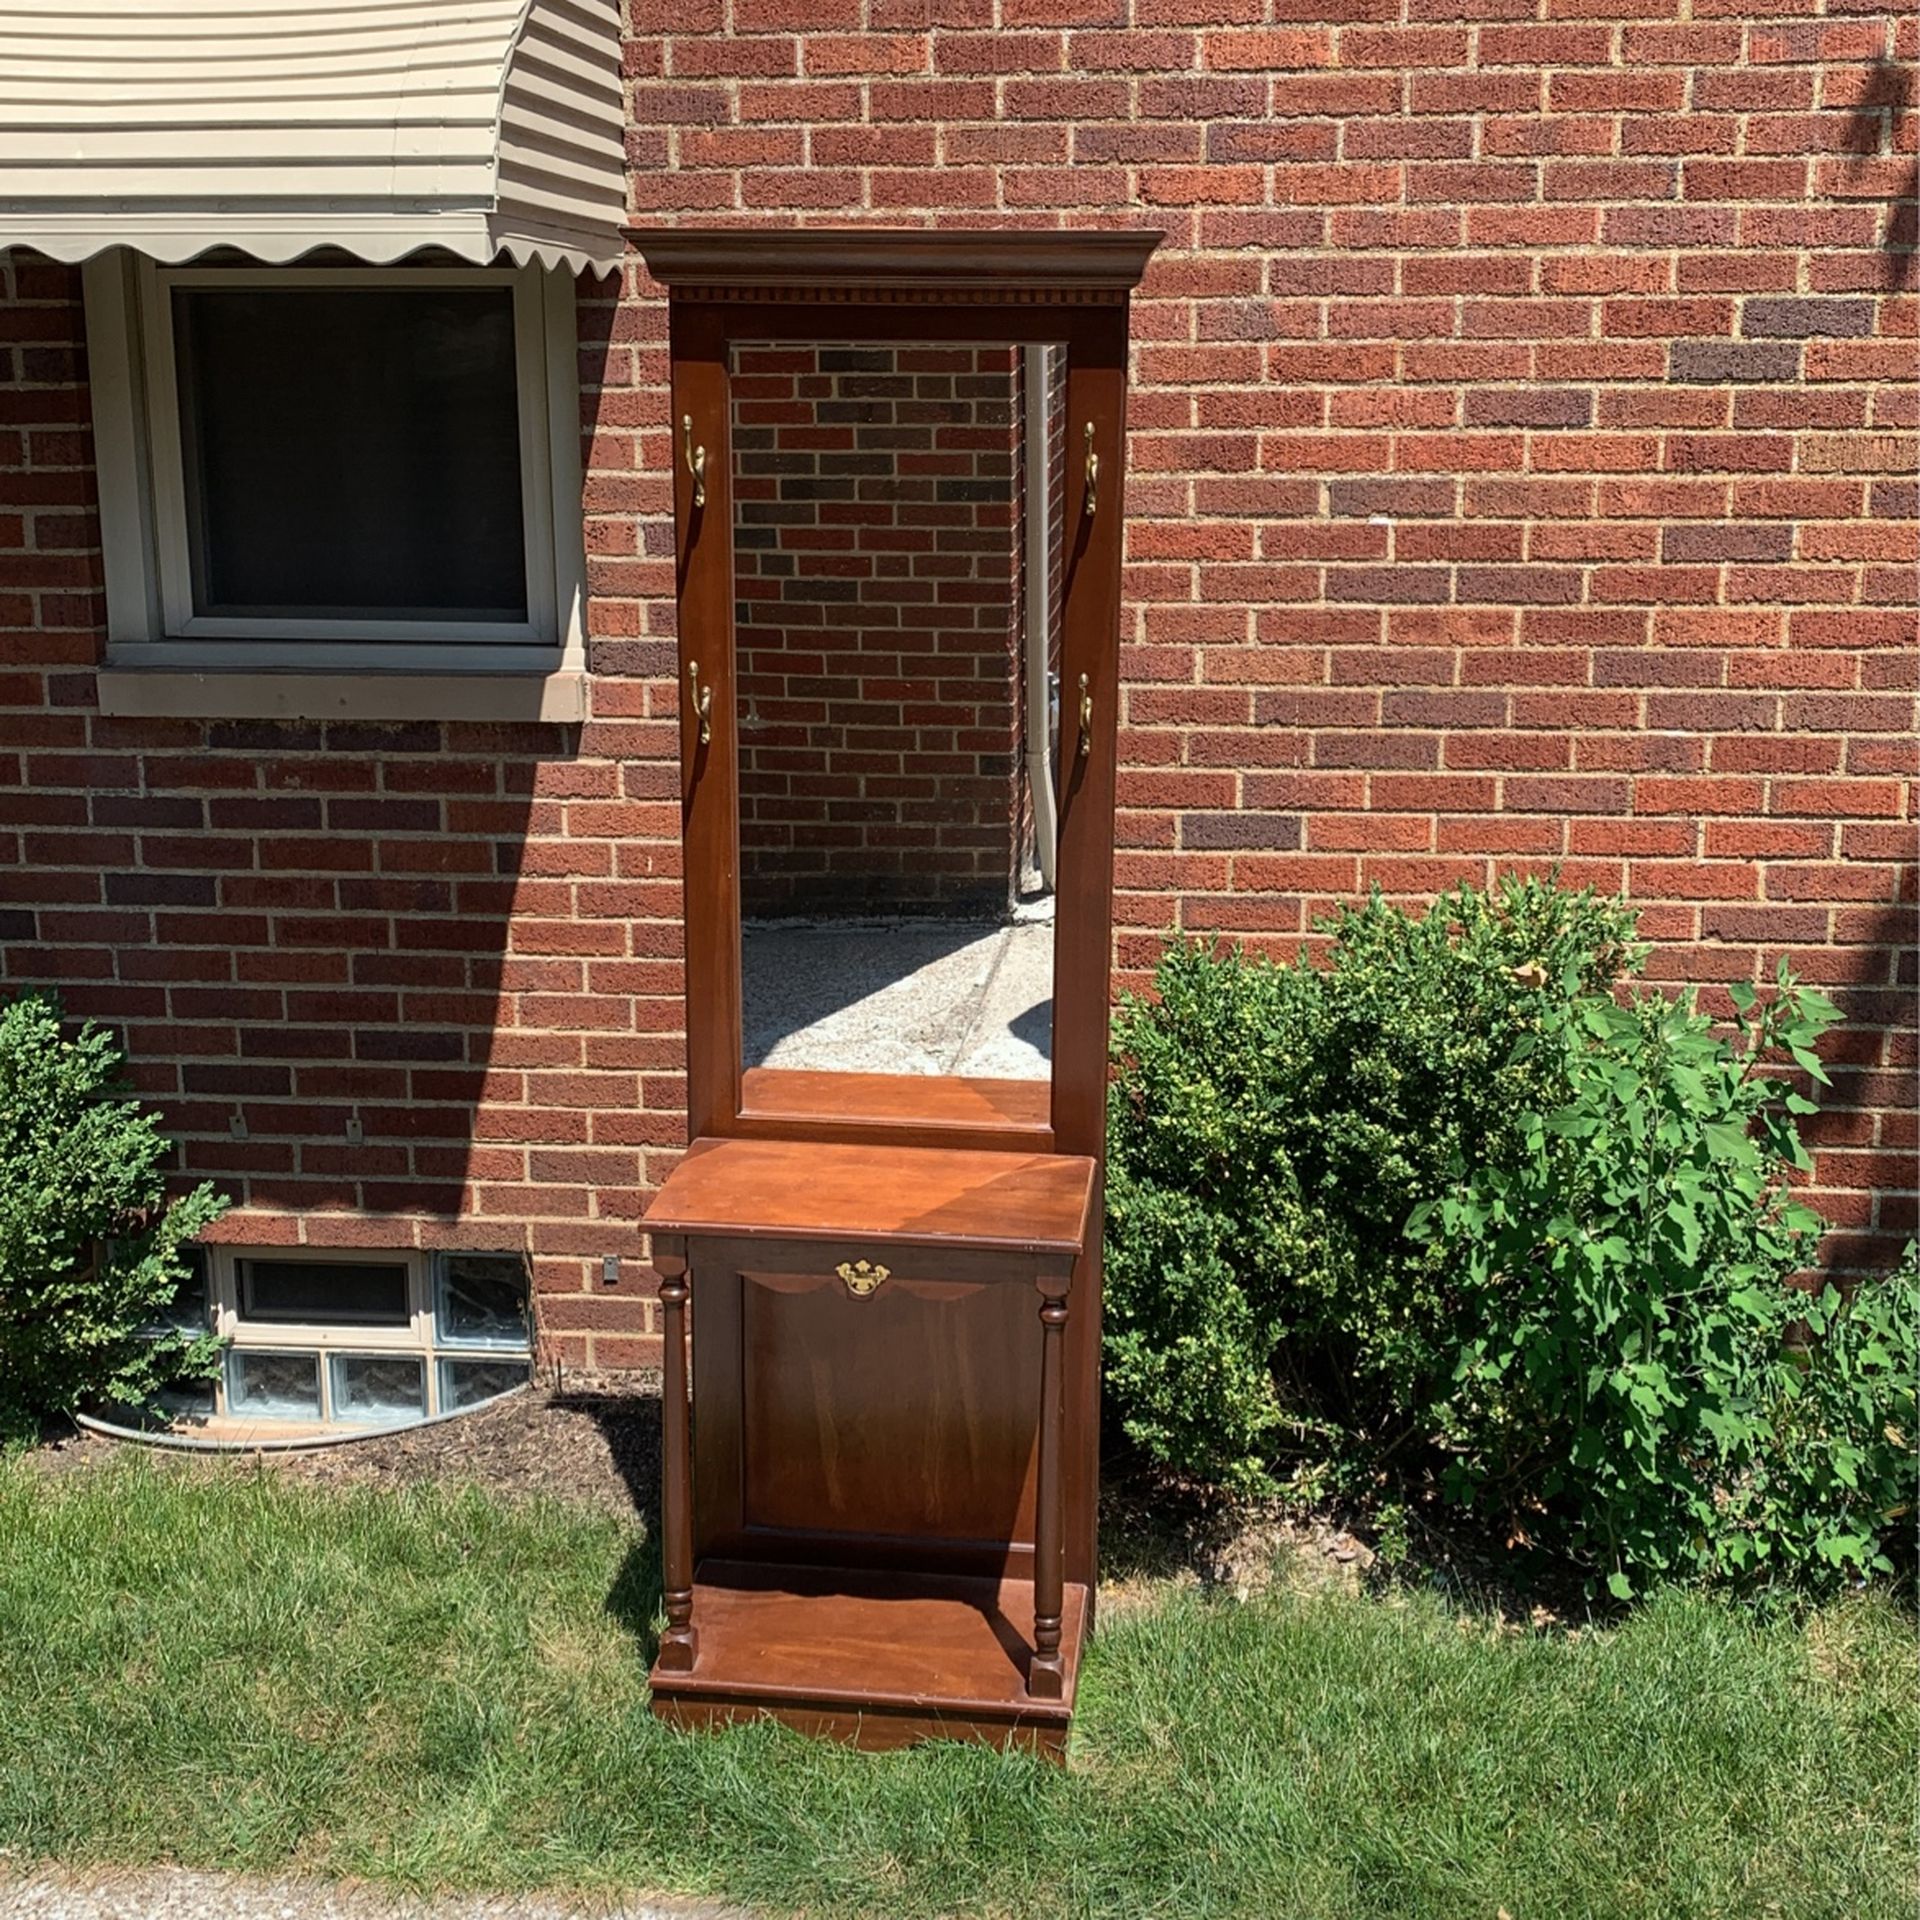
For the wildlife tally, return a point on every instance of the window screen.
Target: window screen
(351, 453)
(323, 1292)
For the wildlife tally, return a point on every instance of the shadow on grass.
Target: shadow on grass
(633, 1601)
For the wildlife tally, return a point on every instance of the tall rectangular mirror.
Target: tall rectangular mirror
(897, 520)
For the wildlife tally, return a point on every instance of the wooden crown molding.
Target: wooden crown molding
(885, 265)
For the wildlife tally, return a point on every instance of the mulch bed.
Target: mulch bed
(588, 1440)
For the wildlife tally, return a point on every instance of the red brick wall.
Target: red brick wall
(1522, 472)
(876, 550)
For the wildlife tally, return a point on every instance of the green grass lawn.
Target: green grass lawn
(435, 1689)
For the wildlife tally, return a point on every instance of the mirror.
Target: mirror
(897, 523)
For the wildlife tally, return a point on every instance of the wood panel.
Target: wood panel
(895, 1415)
(1010, 1110)
(709, 795)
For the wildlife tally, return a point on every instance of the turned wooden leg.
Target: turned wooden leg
(1047, 1676)
(679, 1644)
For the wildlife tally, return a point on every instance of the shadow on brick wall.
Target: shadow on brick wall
(1872, 163)
(1864, 1137)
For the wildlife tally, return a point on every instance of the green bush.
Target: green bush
(90, 1248)
(1456, 1215)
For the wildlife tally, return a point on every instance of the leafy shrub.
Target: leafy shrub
(1270, 1130)
(1843, 1425)
(90, 1249)
(1457, 1215)
(1629, 1364)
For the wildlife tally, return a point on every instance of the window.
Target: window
(350, 457)
(333, 468)
(323, 1293)
(481, 1302)
(339, 1340)
(276, 1386)
(378, 1389)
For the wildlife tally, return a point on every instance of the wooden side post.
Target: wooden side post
(1047, 1675)
(679, 1644)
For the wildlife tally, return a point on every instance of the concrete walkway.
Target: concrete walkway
(171, 1893)
(904, 996)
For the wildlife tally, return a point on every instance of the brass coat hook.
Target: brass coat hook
(697, 460)
(702, 698)
(1086, 718)
(1093, 475)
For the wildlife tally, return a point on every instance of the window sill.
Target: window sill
(181, 693)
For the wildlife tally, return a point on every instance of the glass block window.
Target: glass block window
(192, 1400)
(466, 1383)
(378, 1389)
(273, 1386)
(481, 1301)
(190, 1310)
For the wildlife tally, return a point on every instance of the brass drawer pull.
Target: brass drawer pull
(862, 1277)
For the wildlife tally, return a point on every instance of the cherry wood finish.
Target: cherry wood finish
(922, 1110)
(879, 1511)
(863, 1659)
(1033, 1203)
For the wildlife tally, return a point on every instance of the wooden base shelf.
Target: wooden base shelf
(879, 1660)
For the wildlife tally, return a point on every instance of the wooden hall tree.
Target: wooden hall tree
(879, 1507)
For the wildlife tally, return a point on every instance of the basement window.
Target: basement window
(337, 1342)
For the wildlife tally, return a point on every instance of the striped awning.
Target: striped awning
(280, 126)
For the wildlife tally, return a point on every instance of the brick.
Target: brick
(1714, 361)
(1529, 407)
(1266, 832)
(1800, 319)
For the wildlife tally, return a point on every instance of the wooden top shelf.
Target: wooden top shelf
(1034, 1203)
